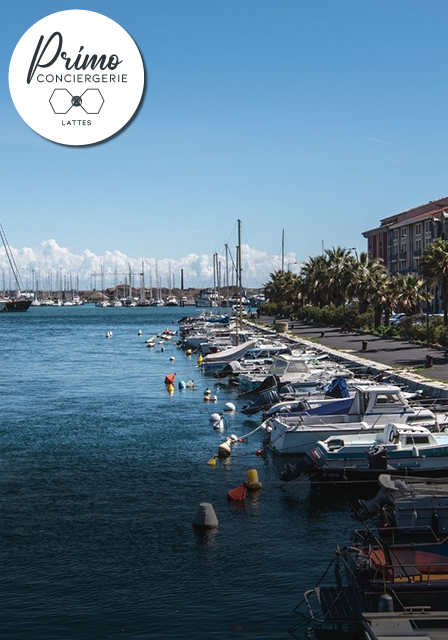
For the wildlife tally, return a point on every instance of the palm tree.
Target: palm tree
(284, 288)
(434, 266)
(315, 280)
(409, 293)
(275, 289)
(381, 294)
(361, 285)
(340, 268)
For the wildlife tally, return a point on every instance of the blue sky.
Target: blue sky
(319, 117)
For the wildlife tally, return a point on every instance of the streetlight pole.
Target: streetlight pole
(289, 263)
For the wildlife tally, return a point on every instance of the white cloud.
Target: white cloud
(50, 258)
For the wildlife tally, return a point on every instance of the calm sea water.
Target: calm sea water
(101, 472)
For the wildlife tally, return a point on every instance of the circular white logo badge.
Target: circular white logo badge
(76, 77)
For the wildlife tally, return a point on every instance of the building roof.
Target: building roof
(420, 218)
(430, 208)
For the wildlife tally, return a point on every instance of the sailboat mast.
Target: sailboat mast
(142, 284)
(227, 275)
(11, 260)
(283, 250)
(240, 310)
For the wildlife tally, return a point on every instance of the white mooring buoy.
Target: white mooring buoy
(229, 407)
(205, 517)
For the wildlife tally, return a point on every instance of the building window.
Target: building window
(418, 245)
(403, 232)
(418, 228)
(395, 234)
(403, 247)
(402, 265)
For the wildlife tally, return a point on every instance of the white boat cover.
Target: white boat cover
(228, 355)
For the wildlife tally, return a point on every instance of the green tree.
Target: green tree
(409, 293)
(434, 266)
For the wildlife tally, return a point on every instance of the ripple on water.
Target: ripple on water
(101, 474)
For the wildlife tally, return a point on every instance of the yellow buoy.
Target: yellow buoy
(199, 360)
(254, 482)
(213, 461)
(170, 388)
(188, 352)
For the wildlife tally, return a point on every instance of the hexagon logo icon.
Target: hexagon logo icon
(76, 77)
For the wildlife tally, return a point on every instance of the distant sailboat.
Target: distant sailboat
(103, 302)
(171, 300)
(17, 302)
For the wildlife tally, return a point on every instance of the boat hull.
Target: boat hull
(15, 305)
(327, 478)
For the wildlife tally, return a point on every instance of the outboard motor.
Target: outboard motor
(263, 401)
(369, 508)
(293, 471)
(378, 458)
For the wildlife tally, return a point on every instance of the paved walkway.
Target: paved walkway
(394, 353)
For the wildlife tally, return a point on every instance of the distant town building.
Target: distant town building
(401, 239)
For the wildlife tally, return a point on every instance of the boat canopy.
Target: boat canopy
(229, 354)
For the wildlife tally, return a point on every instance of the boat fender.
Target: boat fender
(224, 449)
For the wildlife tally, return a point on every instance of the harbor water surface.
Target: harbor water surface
(101, 473)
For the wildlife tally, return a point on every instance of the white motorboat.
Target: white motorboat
(407, 625)
(372, 407)
(404, 446)
(304, 368)
(406, 502)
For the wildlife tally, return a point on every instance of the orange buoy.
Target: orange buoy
(170, 379)
(239, 493)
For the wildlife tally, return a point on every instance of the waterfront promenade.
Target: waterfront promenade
(393, 353)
